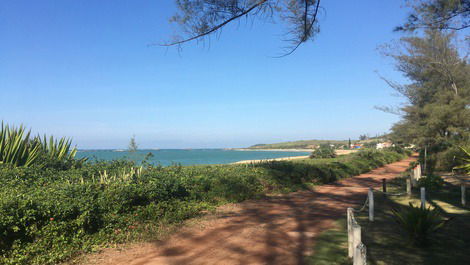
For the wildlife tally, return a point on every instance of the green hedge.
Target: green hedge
(50, 215)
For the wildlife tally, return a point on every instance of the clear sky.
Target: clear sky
(84, 69)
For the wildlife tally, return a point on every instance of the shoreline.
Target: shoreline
(275, 150)
(269, 160)
(338, 152)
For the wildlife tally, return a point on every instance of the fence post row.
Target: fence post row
(356, 249)
(371, 204)
(356, 239)
(408, 186)
(423, 197)
(350, 234)
(464, 198)
(415, 175)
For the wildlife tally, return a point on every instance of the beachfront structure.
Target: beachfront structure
(384, 145)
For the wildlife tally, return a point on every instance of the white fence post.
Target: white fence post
(464, 198)
(360, 255)
(408, 185)
(356, 249)
(415, 176)
(418, 172)
(356, 236)
(350, 233)
(423, 197)
(371, 204)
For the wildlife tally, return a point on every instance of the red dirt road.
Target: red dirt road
(276, 230)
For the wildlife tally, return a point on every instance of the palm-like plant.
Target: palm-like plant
(419, 223)
(466, 161)
(57, 150)
(16, 147)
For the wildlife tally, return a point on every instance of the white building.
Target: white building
(384, 145)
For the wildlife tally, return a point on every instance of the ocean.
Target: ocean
(167, 157)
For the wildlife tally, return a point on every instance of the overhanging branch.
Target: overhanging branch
(217, 27)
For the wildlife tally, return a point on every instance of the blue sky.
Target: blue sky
(84, 69)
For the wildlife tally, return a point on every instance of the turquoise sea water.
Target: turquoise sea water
(186, 157)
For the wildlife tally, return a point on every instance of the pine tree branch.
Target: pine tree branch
(215, 28)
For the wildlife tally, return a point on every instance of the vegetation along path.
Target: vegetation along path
(275, 230)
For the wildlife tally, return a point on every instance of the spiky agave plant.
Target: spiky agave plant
(16, 146)
(57, 149)
(419, 223)
(466, 161)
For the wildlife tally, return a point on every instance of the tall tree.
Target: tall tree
(436, 114)
(133, 144)
(438, 14)
(201, 18)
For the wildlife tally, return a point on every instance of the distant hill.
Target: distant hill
(303, 144)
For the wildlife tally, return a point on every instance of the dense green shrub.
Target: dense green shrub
(400, 150)
(324, 151)
(371, 144)
(419, 223)
(293, 174)
(48, 214)
(450, 158)
(431, 182)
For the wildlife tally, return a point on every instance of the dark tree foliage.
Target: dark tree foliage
(436, 114)
(201, 18)
(133, 145)
(438, 14)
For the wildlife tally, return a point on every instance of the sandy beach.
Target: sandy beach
(272, 159)
(280, 150)
(338, 152)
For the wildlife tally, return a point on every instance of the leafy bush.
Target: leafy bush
(448, 159)
(400, 150)
(419, 223)
(293, 174)
(324, 151)
(431, 182)
(370, 144)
